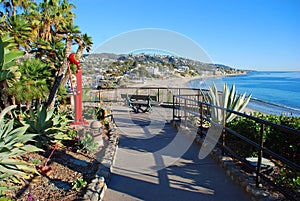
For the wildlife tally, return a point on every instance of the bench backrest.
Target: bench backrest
(138, 97)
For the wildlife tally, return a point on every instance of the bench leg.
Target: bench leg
(148, 109)
(133, 107)
(136, 110)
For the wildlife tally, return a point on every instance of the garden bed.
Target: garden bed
(70, 172)
(65, 170)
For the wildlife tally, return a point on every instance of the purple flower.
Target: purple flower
(30, 197)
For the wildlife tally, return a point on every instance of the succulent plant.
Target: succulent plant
(229, 99)
(48, 126)
(14, 142)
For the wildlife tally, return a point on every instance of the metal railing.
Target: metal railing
(193, 112)
(164, 94)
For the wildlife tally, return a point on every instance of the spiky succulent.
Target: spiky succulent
(228, 99)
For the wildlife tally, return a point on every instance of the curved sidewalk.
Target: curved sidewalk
(155, 162)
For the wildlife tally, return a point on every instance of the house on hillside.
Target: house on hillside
(181, 68)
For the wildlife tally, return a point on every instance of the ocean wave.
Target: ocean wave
(272, 108)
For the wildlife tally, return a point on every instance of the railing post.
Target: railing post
(223, 132)
(201, 120)
(99, 94)
(173, 108)
(260, 154)
(185, 113)
(116, 95)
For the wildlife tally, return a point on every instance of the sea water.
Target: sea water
(272, 92)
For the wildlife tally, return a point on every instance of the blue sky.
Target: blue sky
(246, 34)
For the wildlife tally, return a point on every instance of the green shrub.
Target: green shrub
(284, 144)
(248, 128)
(79, 184)
(287, 145)
(87, 143)
(288, 178)
(100, 113)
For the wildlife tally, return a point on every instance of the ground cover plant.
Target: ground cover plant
(284, 144)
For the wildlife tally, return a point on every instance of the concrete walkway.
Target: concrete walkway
(155, 162)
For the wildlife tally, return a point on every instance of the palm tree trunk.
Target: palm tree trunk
(4, 97)
(80, 50)
(60, 76)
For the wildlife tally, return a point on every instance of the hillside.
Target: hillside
(108, 66)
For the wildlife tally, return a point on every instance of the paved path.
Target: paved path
(154, 162)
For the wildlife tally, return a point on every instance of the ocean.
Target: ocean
(272, 92)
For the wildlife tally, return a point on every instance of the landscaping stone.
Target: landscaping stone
(96, 189)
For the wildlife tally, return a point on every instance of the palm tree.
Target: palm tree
(11, 6)
(52, 33)
(84, 43)
(65, 16)
(69, 33)
(33, 84)
(48, 18)
(20, 30)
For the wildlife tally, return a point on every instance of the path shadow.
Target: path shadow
(186, 178)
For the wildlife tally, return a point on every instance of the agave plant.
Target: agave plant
(229, 99)
(13, 144)
(48, 126)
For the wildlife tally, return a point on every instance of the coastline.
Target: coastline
(255, 105)
(178, 81)
(183, 82)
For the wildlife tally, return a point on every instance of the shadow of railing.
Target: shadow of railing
(192, 112)
(188, 104)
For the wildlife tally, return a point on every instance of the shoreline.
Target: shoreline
(255, 105)
(179, 81)
(184, 83)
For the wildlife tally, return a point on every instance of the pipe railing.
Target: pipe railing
(189, 107)
(164, 94)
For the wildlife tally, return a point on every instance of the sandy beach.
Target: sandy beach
(180, 82)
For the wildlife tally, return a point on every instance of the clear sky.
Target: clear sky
(246, 34)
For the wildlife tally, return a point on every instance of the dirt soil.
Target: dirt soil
(65, 166)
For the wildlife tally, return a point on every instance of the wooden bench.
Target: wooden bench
(140, 103)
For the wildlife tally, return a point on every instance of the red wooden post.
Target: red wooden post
(78, 94)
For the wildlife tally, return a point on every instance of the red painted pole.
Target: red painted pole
(78, 95)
